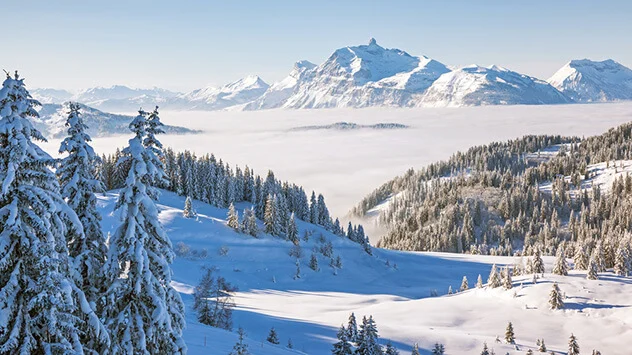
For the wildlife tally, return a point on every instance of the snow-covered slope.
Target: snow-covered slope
(276, 95)
(474, 86)
(591, 81)
(236, 93)
(309, 310)
(365, 75)
(53, 117)
(51, 96)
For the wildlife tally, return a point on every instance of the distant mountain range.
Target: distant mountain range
(371, 75)
(53, 117)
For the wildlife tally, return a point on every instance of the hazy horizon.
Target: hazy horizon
(182, 46)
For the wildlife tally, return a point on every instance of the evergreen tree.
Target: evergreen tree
(485, 349)
(43, 309)
(272, 337)
(213, 301)
(292, 230)
(506, 278)
(573, 347)
(581, 258)
(494, 279)
(479, 281)
(79, 185)
(390, 349)
(352, 328)
(313, 262)
(416, 349)
(530, 352)
(270, 219)
(241, 348)
(538, 263)
(621, 260)
(592, 270)
(367, 338)
(464, 285)
(233, 218)
(342, 346)
(542, 346)
(313, 209)
(143, 311)
(555, 298)
(289, 345)
(561, 265)
(249, 223)
(438, 349)
(510, 337)
(189, 212)
(297, 275)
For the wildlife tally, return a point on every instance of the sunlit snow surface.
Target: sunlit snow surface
(309, 310)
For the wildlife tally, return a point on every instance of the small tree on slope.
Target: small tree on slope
(494, 279)
(390, 349)
(367, 338)
(188, 212)
(416, 350)
(592, 270)
(510, 337)
(464, 285)
(555, 298)
(240, 348)
(438, 349)
(144, 313)
(573, 347)
(352, 328)
(272, 337)
(342, 346)
(561, 265)
(42, 309)
(233, 218)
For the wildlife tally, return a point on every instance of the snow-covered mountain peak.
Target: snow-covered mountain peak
(372, 42)
(248, 83)
(586, 80)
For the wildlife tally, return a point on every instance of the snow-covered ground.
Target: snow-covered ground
(345, 165)
(600, 175)
(309, 310)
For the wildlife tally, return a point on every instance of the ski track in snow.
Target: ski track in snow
(310, 310)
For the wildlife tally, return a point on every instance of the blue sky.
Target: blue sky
(183, 45)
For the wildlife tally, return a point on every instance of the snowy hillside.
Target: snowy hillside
(475, 86)
(591, 81)
(310, 309)
(52, 122)
(236, 93)
(601, 175)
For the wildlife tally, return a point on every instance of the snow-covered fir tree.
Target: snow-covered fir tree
(479, 281)
(240, 348)
(144, 313)
(494, 280)
(213, 301)
(313, 262)
(352, 328)
(43, 310)
(292, 230)
(233, 218)
(506, 278)
(581, 258)
(541, 346)
(464, 285)
(573, 346)
(555, 297)
(592, 273)
(272, 338)
(438, 349)
(249, 223)
(368, 338)
(271, 217)
(390, 349)
(342, 346)
(530, 352)
(510, 337)
(622, 260)
(79, 185)
(538, 263)
(561, 265)
(297, 273)
(415, 350)
(485, 350)
(189, 212)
